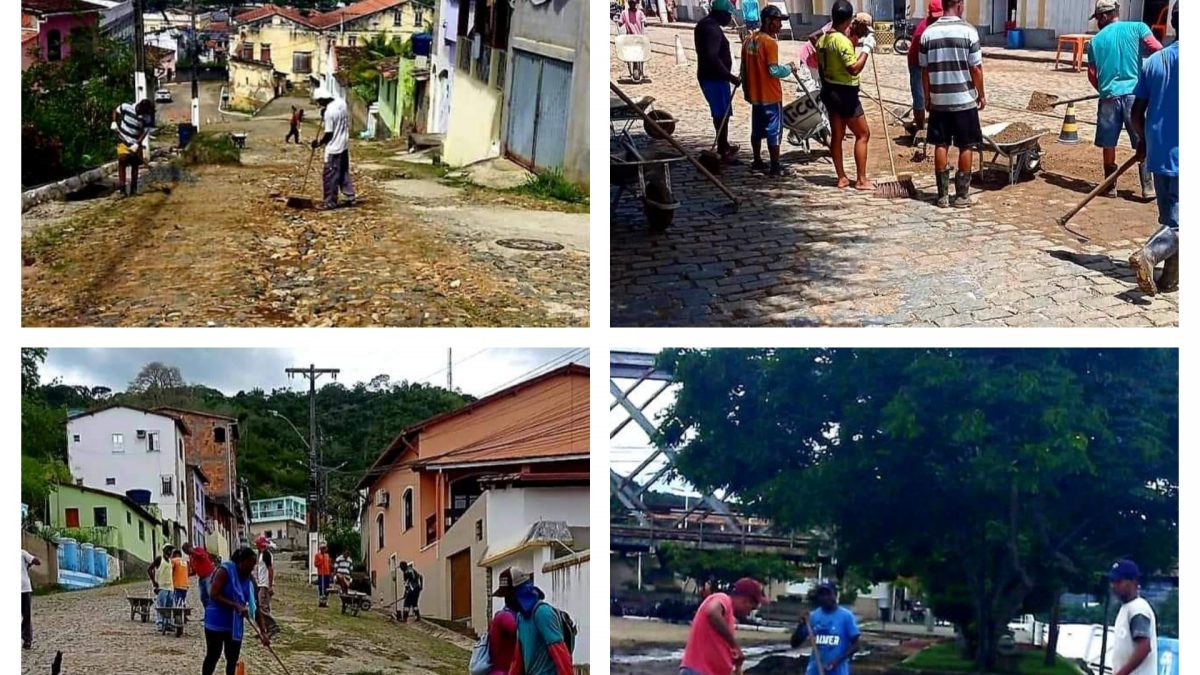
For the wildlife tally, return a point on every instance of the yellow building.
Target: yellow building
(353, 25)
(280, 36)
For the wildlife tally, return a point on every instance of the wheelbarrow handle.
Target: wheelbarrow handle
(1108, 183)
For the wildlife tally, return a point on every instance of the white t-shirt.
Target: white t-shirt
(1122, 649)
(337, 122)
(262, 575)
(26, 560)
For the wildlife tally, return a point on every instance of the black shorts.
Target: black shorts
(841, 100)
(959, 128)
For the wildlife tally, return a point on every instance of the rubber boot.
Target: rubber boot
(1147, 180)
(1168, 281)
(943, 188)
(1110, 169)
(962, 190)
(1161, 246)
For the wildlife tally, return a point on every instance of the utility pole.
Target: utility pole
(139, 53)
(450, 369)
(312, 374)
(194, 52)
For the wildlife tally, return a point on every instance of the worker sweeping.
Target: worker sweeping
(1114, 63)
(231, 590)
(761, 74)
(714, 71)
(336, 140)
(952, 76)
(840, 64)
(712, 644)
(835, 634)
(1156, 120)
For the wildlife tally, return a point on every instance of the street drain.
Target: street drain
(530, 244)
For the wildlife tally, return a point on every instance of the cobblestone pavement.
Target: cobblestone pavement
(800, 252)
(93, 631)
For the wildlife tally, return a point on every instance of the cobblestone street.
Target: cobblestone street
(800, 252)
(93, 631)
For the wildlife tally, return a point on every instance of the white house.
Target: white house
(120, 448)
(283, 520)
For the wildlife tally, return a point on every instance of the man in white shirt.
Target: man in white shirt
(27, 560)
(336, 140)
(1135, 647)
(264, 582)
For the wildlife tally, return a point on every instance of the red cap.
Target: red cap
(750, 588)
(935, 9)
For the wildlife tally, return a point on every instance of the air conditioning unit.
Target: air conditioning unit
(141, 433)
(383, 498)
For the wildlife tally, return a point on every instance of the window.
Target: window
(128, 518)
(264, 56)
(219, 434)
(269, 534)
(100, 516)
(79, 482)
(75, 438)
(352, 41)
(419, 19)
(301, 62)
(166, 530)
(54, 46)
(118, 441)
(479, 529)
(379, 530)
(110, 481)
(408, 508)
(152, 442)
(72, 517)
(142, 530)
(168, 486)
(431, 534)
(247, 51)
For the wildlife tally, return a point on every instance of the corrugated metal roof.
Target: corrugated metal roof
(59, 6)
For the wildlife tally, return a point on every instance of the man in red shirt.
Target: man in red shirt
(934, 13)
(712, 646)
(201, 565)
(502, 631)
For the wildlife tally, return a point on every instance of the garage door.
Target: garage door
(539, 107)
(460, 586)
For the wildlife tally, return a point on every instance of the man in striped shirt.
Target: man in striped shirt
(132, 124)
(952, 77)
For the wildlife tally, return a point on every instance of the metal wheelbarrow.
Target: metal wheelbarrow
(634, 52)
(646, 177)
(804, 118)
(1014, 158)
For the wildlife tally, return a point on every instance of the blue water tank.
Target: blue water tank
(141, 497)
(68, 554)
(422, 44)
(100, 567)
(1016, 39)
(86, 558)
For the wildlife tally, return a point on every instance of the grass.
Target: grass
(943, 657)
(552, 185)
(211, 149)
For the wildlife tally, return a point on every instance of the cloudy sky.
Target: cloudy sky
(476, 371)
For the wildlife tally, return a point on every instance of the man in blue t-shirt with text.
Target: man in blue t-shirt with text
(836, 634)
(1156, 119)
(1114, 60)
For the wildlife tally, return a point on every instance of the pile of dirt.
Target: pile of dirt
(1040, 101)
(1017, 131)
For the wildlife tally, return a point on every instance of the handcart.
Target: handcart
(805, 118)
(622, 117)
(648, 177)
(634, 52)
(1019, 157)
(354, 601)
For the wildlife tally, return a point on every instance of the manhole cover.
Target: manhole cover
(530, 244)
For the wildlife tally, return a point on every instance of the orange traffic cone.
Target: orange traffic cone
(1070, 127)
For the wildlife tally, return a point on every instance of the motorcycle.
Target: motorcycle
(904, 34)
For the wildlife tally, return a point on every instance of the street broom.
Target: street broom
(710, 158)
(260, 637)
(896, 186)
(300, 201)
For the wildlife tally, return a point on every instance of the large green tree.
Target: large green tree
(998, 477)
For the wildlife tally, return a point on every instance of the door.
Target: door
(1000, 15)
(539, 108)
(460, 586)
(72, 517)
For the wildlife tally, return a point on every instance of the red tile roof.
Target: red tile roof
(355, 11)
(272, 10)
(27, 20)
(59, 6)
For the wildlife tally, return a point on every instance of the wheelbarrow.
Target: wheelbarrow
(805, 118)
(1014, 158)
(634, 52)
(647, 177)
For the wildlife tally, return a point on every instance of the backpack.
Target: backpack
(481, 657)
(570, 629)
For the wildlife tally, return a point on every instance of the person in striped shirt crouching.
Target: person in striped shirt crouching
(132, 124)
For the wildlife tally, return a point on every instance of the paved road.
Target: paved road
(93, 630)
(801, 252)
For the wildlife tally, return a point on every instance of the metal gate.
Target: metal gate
(539, 107)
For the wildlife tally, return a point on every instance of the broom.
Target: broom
(260, 637)
(709, 158)
(300, 201)
(896, 186)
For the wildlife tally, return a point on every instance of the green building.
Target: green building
(396, 88)
(127, 530)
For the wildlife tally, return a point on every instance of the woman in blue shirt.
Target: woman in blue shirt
(230, 595)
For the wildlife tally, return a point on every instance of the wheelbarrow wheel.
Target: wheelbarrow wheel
(365, 604)
(635, 72)
(658, 204)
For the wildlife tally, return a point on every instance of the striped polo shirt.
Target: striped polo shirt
(949, 49)
(130, 125)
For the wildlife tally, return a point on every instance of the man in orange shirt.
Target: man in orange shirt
(324, 565)
(761, 73)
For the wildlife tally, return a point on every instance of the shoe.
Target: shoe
(943, 188)
(777, 171)
(962, 190)
(26, 645)
(1163, 245)
(759, 165)
(1109, 169)
(1168, 281)
(1147, 179)
(729, 152)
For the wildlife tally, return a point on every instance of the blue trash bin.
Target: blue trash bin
(100, 564)
(1016, 39)
(186, 132)
(68, 554)
(86, 557)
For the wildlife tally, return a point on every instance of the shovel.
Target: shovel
(1040, 101)
(300, 201)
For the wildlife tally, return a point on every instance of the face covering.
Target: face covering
(527, 596)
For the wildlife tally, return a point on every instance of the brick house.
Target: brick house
(213, 447)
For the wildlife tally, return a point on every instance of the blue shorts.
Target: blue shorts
(918, 90)
(1113, 115)
(719, 94)
(1167, 189)
(765, 122)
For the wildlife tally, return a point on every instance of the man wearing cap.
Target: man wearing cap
(932, 14)
(761, 72)
(336, 139)
(324, 567)
(264, 583)
(541, 636)
(952, 77)
(1114, 62)
(714, 70)
(836, 633)
(1156, 121)
(502, 631)
(712, 645)
(200, 564)
(840, 63)
(413, 584)
(1135, 645)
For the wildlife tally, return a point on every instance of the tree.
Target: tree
(725, 566)
(157, 384)
(994, 476)
(31, 359)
